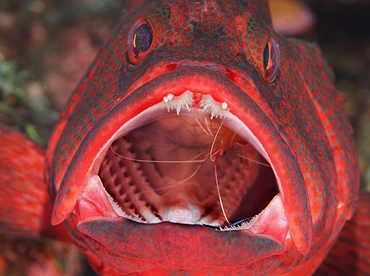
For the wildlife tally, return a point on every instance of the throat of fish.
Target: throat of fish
(187, 168)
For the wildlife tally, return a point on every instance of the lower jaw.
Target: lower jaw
(134, 247)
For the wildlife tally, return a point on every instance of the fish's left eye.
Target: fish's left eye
(140, 41)
(271, 59)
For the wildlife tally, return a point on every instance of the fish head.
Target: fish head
(201, 140)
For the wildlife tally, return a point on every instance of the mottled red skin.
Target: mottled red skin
(210, 48)
(350, 254)
(25, 207)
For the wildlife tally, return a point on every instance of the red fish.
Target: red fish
(199, 142)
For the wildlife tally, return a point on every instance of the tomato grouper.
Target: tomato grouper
(200, 142)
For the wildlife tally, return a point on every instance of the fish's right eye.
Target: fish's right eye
(271, 59)
(140, 40)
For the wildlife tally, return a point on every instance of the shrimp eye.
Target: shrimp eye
(271, 59)
(140, 41)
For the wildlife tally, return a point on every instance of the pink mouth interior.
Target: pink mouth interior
(187, 169)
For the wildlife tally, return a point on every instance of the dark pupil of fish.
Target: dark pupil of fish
(266, 55)
(143, 38)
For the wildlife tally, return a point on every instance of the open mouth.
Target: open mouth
(188, 165)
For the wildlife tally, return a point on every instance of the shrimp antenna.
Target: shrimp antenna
(214, 159)
(219, 194)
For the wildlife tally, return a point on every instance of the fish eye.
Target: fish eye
(140, 41)
(271, 59)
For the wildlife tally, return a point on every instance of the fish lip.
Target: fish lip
(301, 235)
(236, 248)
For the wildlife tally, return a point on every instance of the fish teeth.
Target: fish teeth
(208, 104)
(217, 110)
(185, 100)
(243, 226)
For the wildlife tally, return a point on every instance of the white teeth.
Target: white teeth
(241, 226)
(208, 104)
(184, 100)
(215, 108)
(168, 98)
